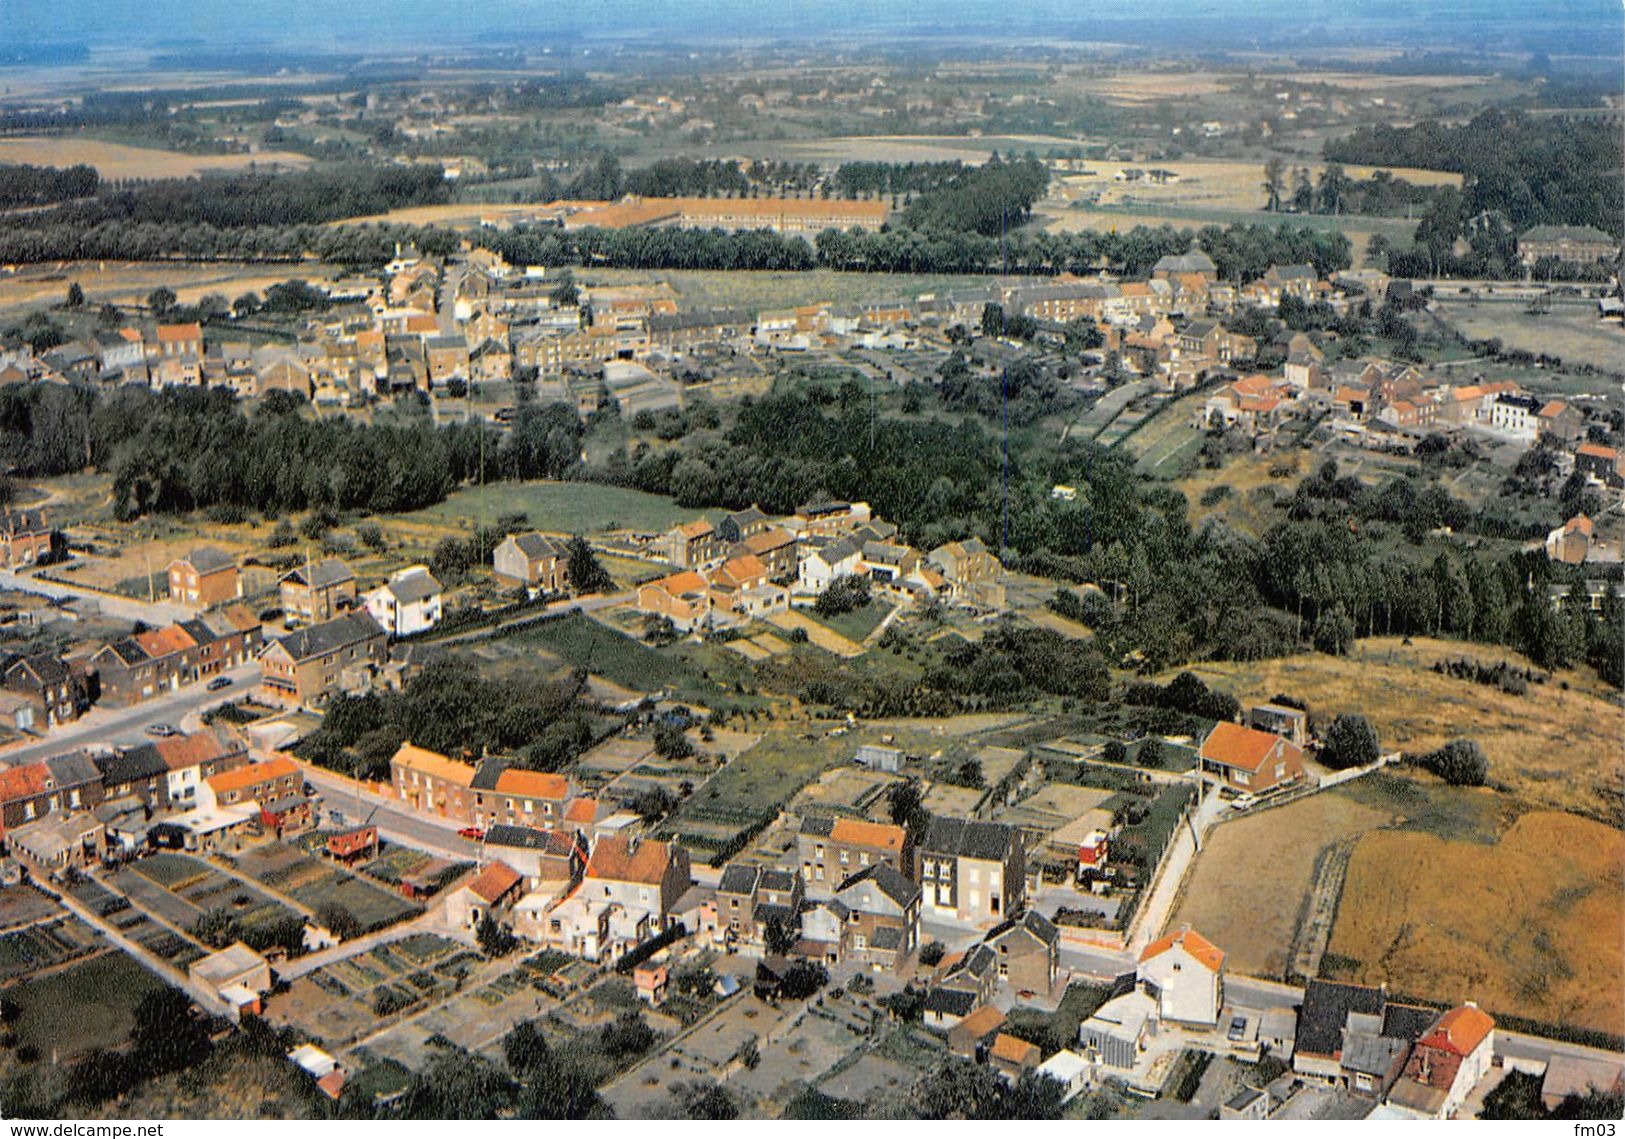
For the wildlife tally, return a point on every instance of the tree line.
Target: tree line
(22, 185)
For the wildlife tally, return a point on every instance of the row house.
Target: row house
(831, 849)
(142, 666)
(677, 332)
(628, 895)
(830, 519)
(872, 918)
(774, 548)
(971, 871)
(433, 783)
(169, 773)
(688, 545)
(551, 860)
(263, 783)
(755, 904)
(512, 796)
(61, 784)
(742, 525)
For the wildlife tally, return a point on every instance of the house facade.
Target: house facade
(534, 560)
(204, 578)
(971, 871)
(310, 666)
(831, 849)
(1248, 760)
(408, 603)
(318, 592)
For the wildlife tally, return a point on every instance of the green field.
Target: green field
(584, 643)
(564, 507)
(91, 1005)
(857, 624)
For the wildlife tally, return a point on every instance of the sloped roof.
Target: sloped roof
(433, 764)
(411, 585)
(162, 642)
(1014, 1050)
(494, 881)
(968, 837)
(24, 782)
(1240, 747)
(621, 859)
(983, 1022)
(535, 544)
(1207, 954)
(531, 838)
(1325, 1012)
(1460, 1030)
(861, 832)
(330, 636)
(887, 880)
(208, 559)
(253, 775)
(180, 752)
(537, 784)
(321, 575)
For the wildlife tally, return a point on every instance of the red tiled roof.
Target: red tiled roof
(1460, 1030)
(494, 881)
(190, 751)
(162, 642)
(536, 784)
(253, 775)
(1597, 451)
(618, 859)
(1235, 746)
(1014, 1050)
(581, 811)
(863, 833)
(175, 333)
(1195, 944)
(23, 782)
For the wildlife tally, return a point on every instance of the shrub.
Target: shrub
(1351, 741)
(1461, 763)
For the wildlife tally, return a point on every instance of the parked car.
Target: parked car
(1238, 1028)
(163, 731)
(474, 833)
(335, 818)
(218, 683)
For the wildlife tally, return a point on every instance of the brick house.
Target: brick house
(831, 849)
(1247, 759)
(205, 577)
(25, 537)
(309, 666)
(50, 684)
(433, 783)
(1029, 949)
(503, 794)
(313, 593)
(534, 560)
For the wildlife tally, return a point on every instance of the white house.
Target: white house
(1446, 1064)
(823, 564)
(409, 602)
(1184, 973)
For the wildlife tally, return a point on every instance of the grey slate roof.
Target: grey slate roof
(887, 880)
(321, 575)
(739, 879)
(539, 545)
(330, 636)
(1031, 922)
(779, 881)
(208, 559)
(487, 773)
(131, 765)
(74, 769)
(968, 837)
(950, 1002)
(414, 585)
(1326, 1009)
(887, 937)
(529, 838)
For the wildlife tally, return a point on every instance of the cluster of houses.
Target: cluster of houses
(749, 565)
(184, 792)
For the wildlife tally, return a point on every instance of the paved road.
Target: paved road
(124, 608)
(126, 727)
(393, 820)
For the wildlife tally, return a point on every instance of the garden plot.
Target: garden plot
(29, 951)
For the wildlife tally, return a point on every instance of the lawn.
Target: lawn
(91, 1005)
(563, 507)
(585, 643)
(859, 623)
(1527, 926)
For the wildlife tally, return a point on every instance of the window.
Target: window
(863, 857)
(843, 858)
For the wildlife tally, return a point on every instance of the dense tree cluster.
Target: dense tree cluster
(1531, 171)
(451, 709)
(42, 185)
(990, 199)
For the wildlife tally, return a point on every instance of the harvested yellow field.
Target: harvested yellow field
(1532, 925)
(1251, 877)
(1053, 621)
(1211, 184)
(129, 282)
(114, 160)
(1555, 747)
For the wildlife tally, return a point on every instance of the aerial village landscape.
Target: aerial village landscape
(556, 571)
